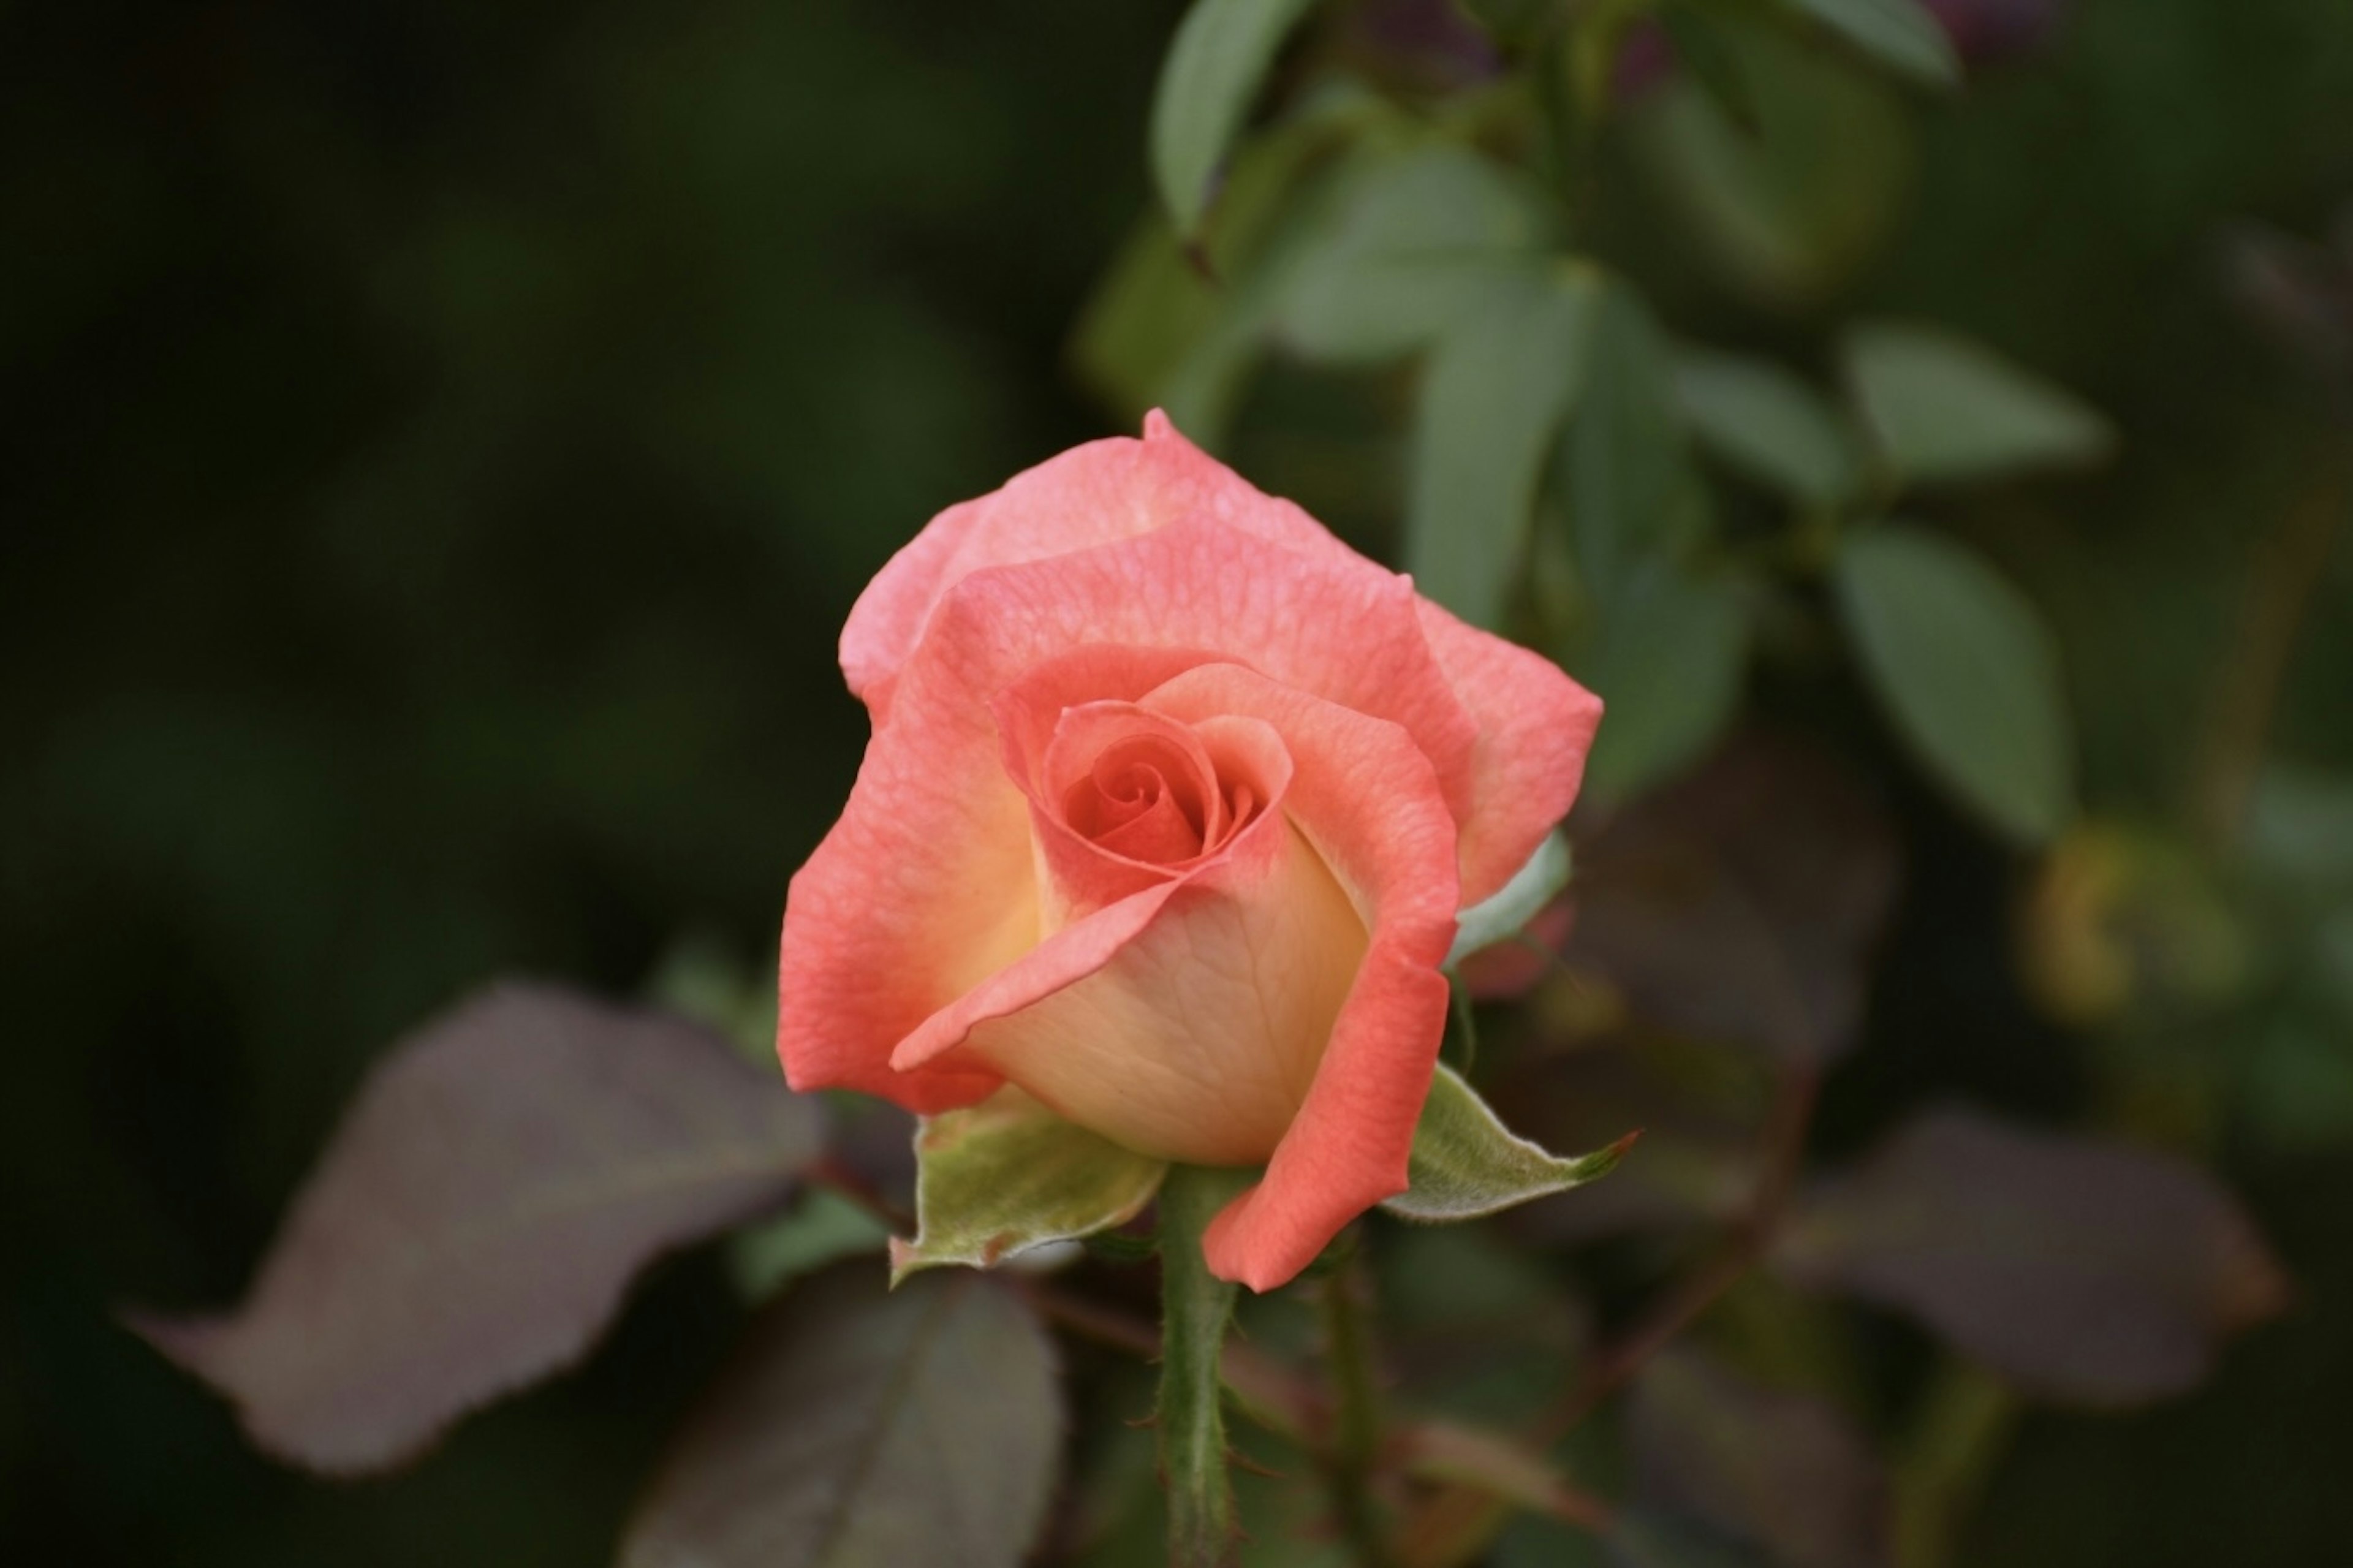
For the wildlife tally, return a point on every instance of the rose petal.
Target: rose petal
(927, 885)
(1534, 724)
(1117, 774)
(1198, 1036)
(1094, 494)
(1364, 796)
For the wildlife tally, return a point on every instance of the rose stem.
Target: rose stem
(1196, 1307)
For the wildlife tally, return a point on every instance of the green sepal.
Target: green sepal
(1008, 1174)
(1467, 1164)
(1503, 914)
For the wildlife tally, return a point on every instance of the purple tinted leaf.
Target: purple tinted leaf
(2080, 1271)
(1782, 1470)
(1742, 904)
(475, 1220)
(1698, 1107)
(859, 1425)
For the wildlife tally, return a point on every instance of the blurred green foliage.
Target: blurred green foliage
(444, 442)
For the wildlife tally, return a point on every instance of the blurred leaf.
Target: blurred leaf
(1628, 460)
(1783, 1470)
(1467, 1164)
(1699, 1107)
(1968, 673)
(2299, 1077)
(1403, 243)
(1219, 55)
(699, 977)
(1901, 34)
(1768, 426)
(1008, 1174)
(1510, 20)
(1742, 904)
(860, 1426)
(1942, 408)
(1179, 328)
(2299, 828)
(1196, 1307)
(2080, 1271)
(503, 1174)
(1492, 397)
(1669, 656)
(824, 1227)
(1702, 49)
(1507, 912)
(1787, 202)
(1445, 1452)
(1473, 1324)
(1648, 1538)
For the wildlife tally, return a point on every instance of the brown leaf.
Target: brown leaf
(1742, 904)
(2078, 1270)
(474, 1221)
(859, 1425)
(1783, 1471)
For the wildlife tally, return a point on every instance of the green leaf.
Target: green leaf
(1942, 408)
(2080, 1271)
(1467, 1164)
(2298, 1078)
(1968, 672)
(1008, 1174)
(1491, 401)
(1179, 327)
(2299, 829)
(473, 1224)
(1669, 660)
(1630, 481)
(1900, 34)
(1402, 245)
(1215, 64)
(1769, 426)
(1515, 903)
(1785, 200)
(824, 1227)
(861, 1426)
(1196, 1307)
(1702, 49)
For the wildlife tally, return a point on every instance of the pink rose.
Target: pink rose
(1171, 800)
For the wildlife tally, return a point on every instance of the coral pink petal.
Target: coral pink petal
(922, 891)
(1346, 632)
(1536, 726)
(1091, 495)
(1063, 959)
(1366, 799)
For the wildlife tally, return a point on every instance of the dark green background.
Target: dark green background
(441, 442)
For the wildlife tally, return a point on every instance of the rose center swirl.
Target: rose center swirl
(1146, 788)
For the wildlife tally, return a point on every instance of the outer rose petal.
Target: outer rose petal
(926, 887)
(1096, 494)
(1534, 724)
(1364, 796)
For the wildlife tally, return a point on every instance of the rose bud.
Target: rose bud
(1170, 805)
